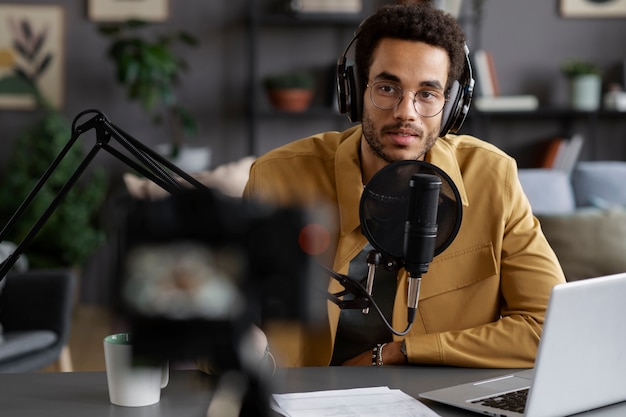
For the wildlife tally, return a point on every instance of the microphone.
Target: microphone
(420, 233)
(374, 259)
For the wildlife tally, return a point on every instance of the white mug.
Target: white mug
(130, 385)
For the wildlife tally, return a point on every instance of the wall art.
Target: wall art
(593, 8)
(31, 55)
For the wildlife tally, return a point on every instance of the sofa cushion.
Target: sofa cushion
(230, 179)
(599, 183)
(548, 190)
(589, 242)
(6, 249)
(17, 343)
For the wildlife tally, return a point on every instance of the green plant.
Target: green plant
(300, 80)
(71, 234)
(150, 70)
(575, 67)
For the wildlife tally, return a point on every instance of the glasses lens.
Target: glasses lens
(387, 96)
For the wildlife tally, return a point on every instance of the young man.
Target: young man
(483, 300)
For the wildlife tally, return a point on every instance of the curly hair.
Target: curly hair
(413, 22)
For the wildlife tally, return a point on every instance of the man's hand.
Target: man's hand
(392, 355)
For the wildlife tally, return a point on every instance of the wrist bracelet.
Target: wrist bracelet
(375, 350)
(377, 354)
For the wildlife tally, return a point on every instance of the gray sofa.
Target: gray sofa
(583, 215)
(35, 313)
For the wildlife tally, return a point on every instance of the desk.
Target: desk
(189, 392)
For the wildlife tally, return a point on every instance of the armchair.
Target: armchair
(35, 312)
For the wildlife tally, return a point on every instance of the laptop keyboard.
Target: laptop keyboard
(511, 401)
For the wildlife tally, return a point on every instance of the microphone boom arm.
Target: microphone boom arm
(147, 162)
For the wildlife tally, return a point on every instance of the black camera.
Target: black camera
(199, 267)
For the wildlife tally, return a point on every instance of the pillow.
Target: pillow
(599, 183)
(230, 179)
(548, 190)
(589, 242)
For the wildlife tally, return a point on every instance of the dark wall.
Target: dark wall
(529, 40)
(212, 88)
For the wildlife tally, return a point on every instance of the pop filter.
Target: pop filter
(384, 207)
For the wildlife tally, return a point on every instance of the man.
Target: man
(483, 300)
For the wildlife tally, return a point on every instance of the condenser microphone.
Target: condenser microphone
(420, 233)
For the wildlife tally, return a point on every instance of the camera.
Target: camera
(198, 268)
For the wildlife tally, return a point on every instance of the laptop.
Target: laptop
(580, 364)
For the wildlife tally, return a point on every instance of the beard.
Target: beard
(373, 139)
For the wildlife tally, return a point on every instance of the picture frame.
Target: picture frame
(31, 53)
(121, 10)
(593, 8)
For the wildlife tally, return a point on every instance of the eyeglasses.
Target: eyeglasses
(387, 95)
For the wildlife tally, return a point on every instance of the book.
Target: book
(493, 76)
(567, 158)
(553, 152)
(524, 102)
(484, 75)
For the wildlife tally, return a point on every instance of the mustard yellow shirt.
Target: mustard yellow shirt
(483, 299)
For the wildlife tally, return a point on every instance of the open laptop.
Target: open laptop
(581, 360)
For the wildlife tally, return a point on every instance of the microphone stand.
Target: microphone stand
(138, 156)
(363, 299)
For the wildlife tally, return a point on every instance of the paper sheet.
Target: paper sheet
(357, 402)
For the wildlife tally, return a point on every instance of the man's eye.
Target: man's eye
(427, 95)
(388, 89)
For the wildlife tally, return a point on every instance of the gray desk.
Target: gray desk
(189, 392)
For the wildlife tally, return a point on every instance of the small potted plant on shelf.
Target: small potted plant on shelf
(292, 91)
(150, 70)
(585, 84)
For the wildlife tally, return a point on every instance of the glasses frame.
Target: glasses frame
(399, 100)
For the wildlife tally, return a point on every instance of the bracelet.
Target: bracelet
(377, 354)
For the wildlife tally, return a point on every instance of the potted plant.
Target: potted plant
(72, 233)
(585, 84)
(292, 91)
(150, 70)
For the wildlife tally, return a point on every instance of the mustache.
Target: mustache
(411, 128)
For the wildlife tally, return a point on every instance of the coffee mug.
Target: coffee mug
(130, 383)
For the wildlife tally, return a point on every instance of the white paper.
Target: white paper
(357, 402)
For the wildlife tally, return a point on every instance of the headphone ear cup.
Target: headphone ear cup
(460, 97)
(451, 109)
(356, 98)
(349, 100)
(342, 89)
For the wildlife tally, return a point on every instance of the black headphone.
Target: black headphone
(350, 96)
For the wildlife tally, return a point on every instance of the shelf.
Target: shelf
(547, 112)
(327, 34)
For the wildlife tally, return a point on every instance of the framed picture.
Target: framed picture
(120, 10)
(31, 54)
(593, 8)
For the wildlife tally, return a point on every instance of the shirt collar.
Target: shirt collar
(349, 179)
(443, 155)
